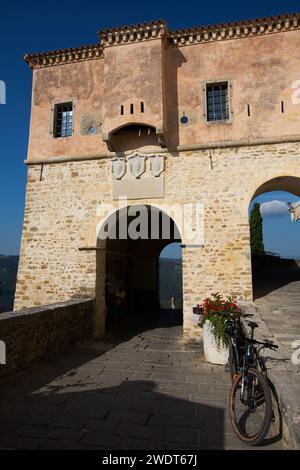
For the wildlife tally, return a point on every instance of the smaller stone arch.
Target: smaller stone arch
(132, 136)
(263, 183)
(261, 261)
(290, 184)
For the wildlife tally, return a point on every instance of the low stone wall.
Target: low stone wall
(266, 262)
(34, 333)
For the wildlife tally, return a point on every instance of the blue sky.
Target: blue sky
(281, 235)
(40, 26)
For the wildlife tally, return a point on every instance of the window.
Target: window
(63, 120)
(217, 101)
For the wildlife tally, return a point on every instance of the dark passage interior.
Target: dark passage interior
(132, 268)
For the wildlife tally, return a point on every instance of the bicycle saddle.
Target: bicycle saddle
(252, 324)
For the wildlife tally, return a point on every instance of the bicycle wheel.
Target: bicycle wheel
(250, 407)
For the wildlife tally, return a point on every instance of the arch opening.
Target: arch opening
(133, 136)
(274, 238)
(289, 184)
(170, 277)
(129, 245)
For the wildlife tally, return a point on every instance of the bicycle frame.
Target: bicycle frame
(250, 397)
(246, 355)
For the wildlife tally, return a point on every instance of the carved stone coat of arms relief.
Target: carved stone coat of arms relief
(137, 165)
(118, 168)
(157, 165)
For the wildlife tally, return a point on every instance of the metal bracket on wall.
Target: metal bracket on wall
(41, 172)
(211, 160)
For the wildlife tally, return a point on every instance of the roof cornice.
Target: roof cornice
(158, 29)
(134, 33)
(237, 30)
(64, 56)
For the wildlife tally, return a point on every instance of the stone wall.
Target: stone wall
(62, 216)
(37, 333)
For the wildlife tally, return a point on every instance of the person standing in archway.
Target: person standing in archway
(120, 302)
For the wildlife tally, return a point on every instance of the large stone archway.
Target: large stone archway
(129, 243)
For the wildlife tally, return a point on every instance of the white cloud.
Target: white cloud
(274, 209)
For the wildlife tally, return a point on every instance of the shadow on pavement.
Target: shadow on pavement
(269, 280)
(132, 415)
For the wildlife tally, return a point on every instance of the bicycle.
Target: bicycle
(250, 402)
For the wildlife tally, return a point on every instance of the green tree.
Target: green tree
(256, 230)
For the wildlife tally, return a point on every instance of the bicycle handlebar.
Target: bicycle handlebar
(265, 344)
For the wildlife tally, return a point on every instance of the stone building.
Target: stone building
(208, 116)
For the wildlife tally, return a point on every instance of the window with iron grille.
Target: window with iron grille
(63, 120)
(217, 101)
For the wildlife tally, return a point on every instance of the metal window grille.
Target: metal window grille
(63, 120)
(217, 102)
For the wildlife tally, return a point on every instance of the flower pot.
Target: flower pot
(212, 352)
(197, 318)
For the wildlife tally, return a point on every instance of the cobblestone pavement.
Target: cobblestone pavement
(148, 391)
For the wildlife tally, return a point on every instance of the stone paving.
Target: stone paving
(278, 301)
(278, 306)
(147, 391)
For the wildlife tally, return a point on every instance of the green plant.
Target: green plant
(218, 310)
(256, 230)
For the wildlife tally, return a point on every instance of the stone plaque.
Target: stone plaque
(143, 188)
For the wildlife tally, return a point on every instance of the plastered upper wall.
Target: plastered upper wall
(261, 70)
(82, 82)
(169, 80)
(133, 75)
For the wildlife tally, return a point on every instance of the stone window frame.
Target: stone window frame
(230, 120)
(56, 102)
